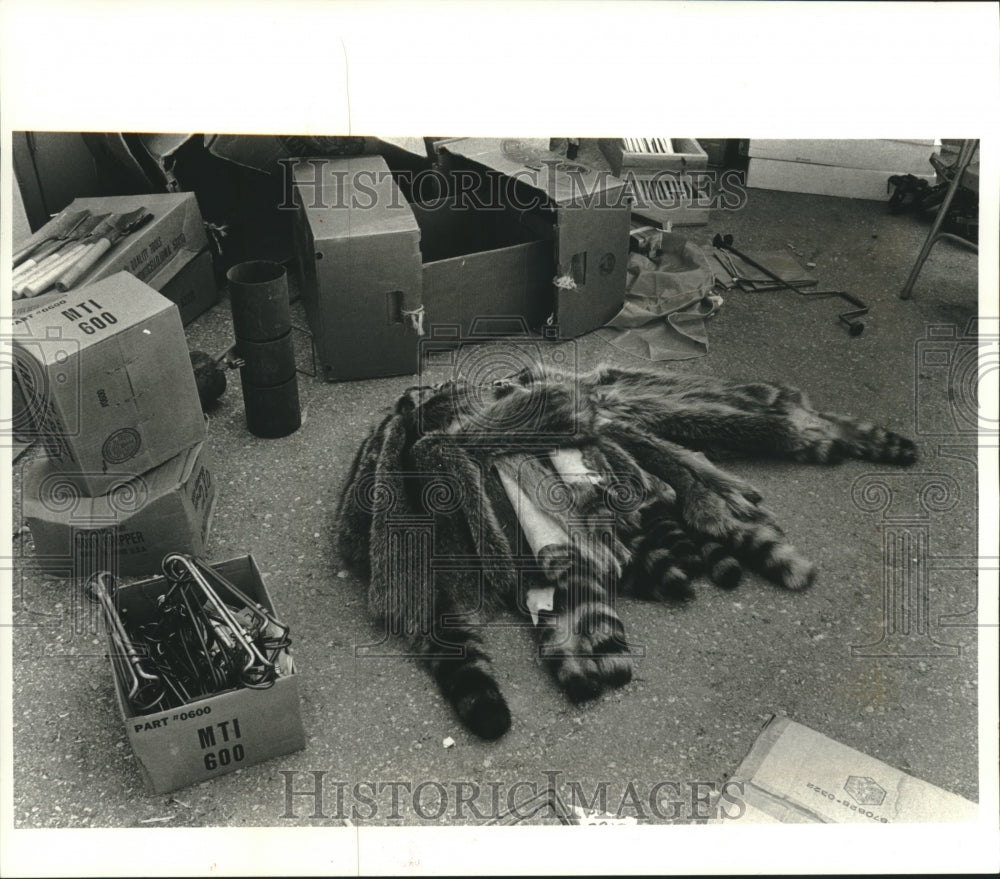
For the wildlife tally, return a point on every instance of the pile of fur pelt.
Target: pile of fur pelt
(548, 493)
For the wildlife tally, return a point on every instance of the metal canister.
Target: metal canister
(272, 412)
(258, 293)
(258, 297)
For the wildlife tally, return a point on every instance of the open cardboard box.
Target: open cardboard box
(218, 734)
(496, 238)
(369, 259)
(795, 775)
(584, 212)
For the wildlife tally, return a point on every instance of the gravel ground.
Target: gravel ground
(712, 671)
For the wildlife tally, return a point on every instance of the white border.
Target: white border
(560, 68)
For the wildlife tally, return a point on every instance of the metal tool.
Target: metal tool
(105, 237)
(850, 318)
(63, 227)
(145, 689)
(33, 280)
(34, 254)
(257, 670)
(727, 263)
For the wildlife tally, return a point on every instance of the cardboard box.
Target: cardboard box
(193, 289)
(823, 179)
(365, 259)
(684, 154)
(358, 247)
(130, 529)
(890, 156)
(107, 374)
(221, 733)
(794, 775)
(544, 241)
(584, 212)
(156, 252)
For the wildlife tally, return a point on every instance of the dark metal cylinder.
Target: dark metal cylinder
(258, 297)
(266, 363)
(273, 412)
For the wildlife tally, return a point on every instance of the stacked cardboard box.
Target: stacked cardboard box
(845, 168)
(107, 377)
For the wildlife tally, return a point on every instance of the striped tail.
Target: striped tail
(763, 548)
(582, 638)
(664, 557)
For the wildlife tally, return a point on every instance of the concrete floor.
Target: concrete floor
(713, 671)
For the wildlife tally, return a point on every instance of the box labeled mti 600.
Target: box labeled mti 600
(220, 733)
(106, 374)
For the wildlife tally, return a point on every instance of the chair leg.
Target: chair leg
(965, 155)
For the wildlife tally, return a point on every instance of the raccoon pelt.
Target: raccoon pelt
(548, 493)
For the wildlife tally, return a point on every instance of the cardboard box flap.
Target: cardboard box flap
(413, 145)
(262, 152)
(794, 774)
(352, 198)
(564, 182)
(592, 268)
(156, 154)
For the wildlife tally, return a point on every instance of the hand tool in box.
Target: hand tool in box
(34, 253)
(850, 318)
(144, 689)
(105, 236)
(27, 276)
(37, 279)
(258, 641)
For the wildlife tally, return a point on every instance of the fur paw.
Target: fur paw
(587, 652)
(479, 704)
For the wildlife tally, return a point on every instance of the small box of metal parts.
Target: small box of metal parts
(106, 374)
(202, 670)
(667, 177)
(654, 154)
